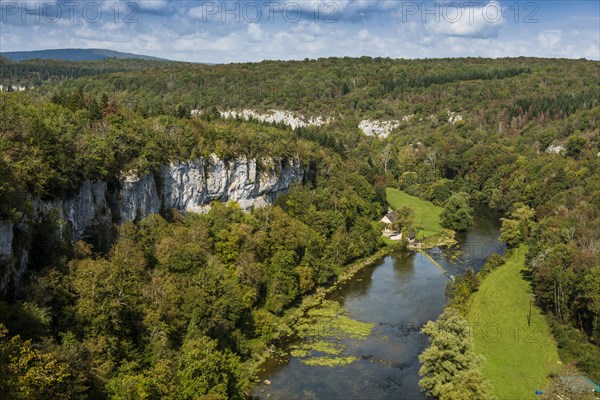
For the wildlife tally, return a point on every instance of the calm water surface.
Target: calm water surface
(399, 294)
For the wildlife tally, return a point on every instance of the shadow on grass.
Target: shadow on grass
(527, 275)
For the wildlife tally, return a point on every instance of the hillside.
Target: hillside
(36, 72)
(73, 55)
(509, 92)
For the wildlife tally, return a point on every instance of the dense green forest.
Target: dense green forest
(180, 303)
(517, 89)
(33, 73)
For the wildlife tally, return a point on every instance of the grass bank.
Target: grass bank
(427, 216)
(519, 357)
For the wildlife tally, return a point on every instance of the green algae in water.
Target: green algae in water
(353, 328)
(310, 348)
(322, 330)
(327, 347)
(329, 361)
(299, 352)
(328, 321)
(328, 308)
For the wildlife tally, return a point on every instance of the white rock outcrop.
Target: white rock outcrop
(186, 186)
(291, 119)
(454, 117)
(380, 129)
(552, 149)
(138, 197)
(77, 211)
(190, 186)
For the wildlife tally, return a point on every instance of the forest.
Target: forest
(180, 305)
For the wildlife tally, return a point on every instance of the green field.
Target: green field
(518, 357)
(427, 214)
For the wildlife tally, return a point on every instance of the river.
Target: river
(398, 294)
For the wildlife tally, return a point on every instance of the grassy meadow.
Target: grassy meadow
(518, 357)
(427, 214)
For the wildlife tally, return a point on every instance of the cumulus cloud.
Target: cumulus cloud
(255, 33)
(363, 34)
(550, 39)
(469, 21)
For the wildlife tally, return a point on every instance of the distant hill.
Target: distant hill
(73, 55)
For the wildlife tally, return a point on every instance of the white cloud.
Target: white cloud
(255, 33)
(475, 22)
(550, 39)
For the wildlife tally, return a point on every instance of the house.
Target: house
(408, 235)
(388, 221)
(396, 237)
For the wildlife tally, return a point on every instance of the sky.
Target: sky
(244, 31)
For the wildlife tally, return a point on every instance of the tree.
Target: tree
(440, 191)
(405, 219)
(510, 232)
(575, 146)
(518, 227)
(462, 287)
(457, 214)
(450, 369)
(468, 384)
(29, 373)
(283, 283)
(204, 370)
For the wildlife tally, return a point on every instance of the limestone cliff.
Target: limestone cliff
(186, 186)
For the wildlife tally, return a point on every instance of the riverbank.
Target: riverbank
(519, 349)
(292, 315)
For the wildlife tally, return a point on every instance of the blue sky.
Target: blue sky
(239, 31)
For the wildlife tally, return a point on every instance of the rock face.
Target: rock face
(454, 117)
(6, 239)
(293, 120)
(381, 129)
(186, 186)
(191, 186)
(138, 197)
(552, 149)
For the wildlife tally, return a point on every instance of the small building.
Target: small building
(396, 237)
(388, 221)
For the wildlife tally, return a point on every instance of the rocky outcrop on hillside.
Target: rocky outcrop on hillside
(188, 186)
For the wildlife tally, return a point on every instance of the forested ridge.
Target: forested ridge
(33, 73)
(359, 88)
(180, 303)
